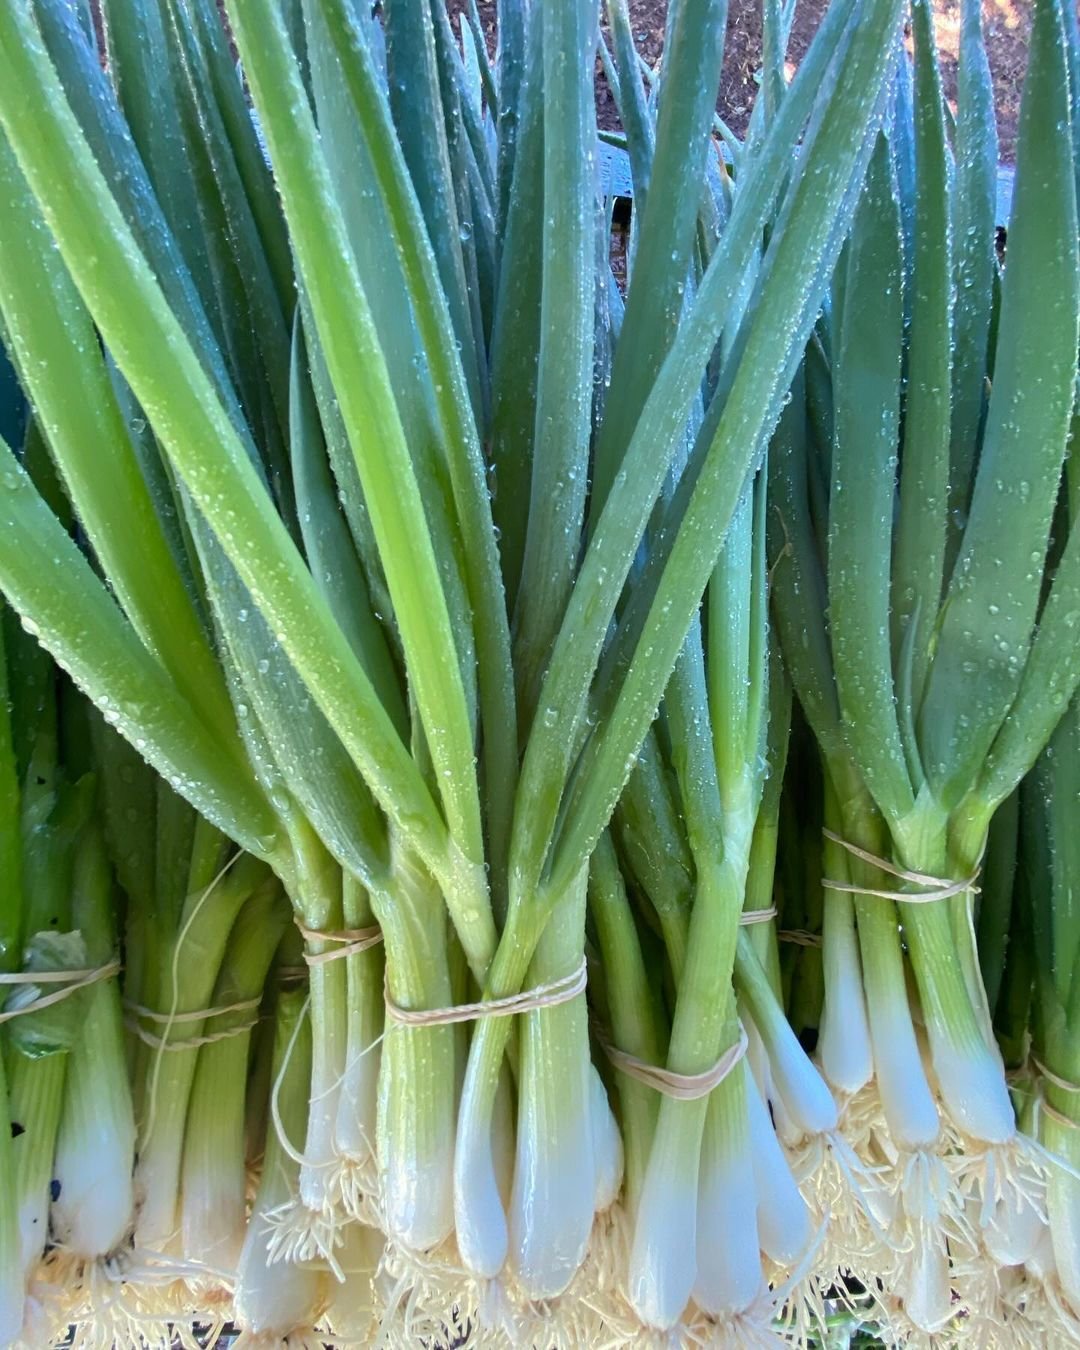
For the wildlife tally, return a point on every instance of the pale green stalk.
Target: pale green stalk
(189, 971)
(635, 1022)
(417, 1078)
(277, 1298)
(93, 1210)
(213, 1181)
(555, 1174)
(357, 1108)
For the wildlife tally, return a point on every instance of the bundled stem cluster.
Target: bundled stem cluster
(530, 802)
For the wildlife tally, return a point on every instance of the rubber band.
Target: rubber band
(193, 1042)
(1063, 1083)
(751, 916)
(73, 981)
(349, 942)
(542, 996)
(1043, 1108)
(935, 888)
(198, 1015)
(681, 1087)
(195, 1015)
(799, 937)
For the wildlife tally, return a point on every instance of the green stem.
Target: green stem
(95, 1147)
(37, 1094)
(189, 970)
(479, 1219)
(553, 1197)
(966, 1059)
(906, 1097)
(364, 1011)
(214, 1179)
(759, 895)
(279, 1297)
(11, 1283)
(995, 909)
(635, 1024)
(417, 1089)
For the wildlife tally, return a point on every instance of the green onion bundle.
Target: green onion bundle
(505, 815)
(947, 655)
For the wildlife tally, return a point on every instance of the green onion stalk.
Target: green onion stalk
(39, 1043)
(798, 895)
(556, 1186)
(355, 1130)
(93, 1200)
(1047, 857)
(276, 1298)
(784, 1220)
(568, 1160)
(92, 1209)
(417, 1085)
(213, 1179)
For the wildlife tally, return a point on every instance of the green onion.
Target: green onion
(438, 630)
(93, 1203)
(277, 1298)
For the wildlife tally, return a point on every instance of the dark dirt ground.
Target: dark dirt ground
(1006, 23)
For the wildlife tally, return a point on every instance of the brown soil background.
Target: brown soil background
(1006, 25)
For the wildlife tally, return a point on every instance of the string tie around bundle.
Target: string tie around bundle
(1043, 1108)
(799, 937)
(344, 941)
(796, 935)
(541, 996)
(71, 980)
(1047, 1075)
(752, 916)
(1051, 1077)
(682, 1087)
(933, 888)
(137, 1014)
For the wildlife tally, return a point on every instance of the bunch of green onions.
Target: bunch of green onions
(918, 476)
(430, 628)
